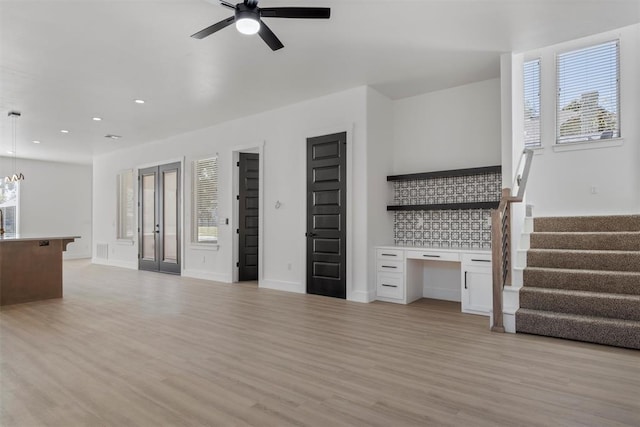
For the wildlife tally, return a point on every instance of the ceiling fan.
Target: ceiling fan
(247, 18)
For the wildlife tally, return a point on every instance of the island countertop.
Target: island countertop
(24, 238)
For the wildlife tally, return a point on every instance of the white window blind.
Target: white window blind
(125, 205)
(205, 200)
(588, 105)
(9, 204)
(531, 76)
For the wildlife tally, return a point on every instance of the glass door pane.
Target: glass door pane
(148, 217)
(170, 216)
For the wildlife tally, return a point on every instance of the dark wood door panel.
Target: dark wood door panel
(249, 196)
(326, 215)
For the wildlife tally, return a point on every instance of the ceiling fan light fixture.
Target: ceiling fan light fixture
(248, 25)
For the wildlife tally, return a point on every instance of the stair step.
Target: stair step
(588, 223)
(616, 282)
(616, 332)
(598, 304)
(616, 241)
(584, 260)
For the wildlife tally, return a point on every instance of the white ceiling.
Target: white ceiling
(63, 62)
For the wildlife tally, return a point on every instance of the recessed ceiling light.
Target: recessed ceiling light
(64, 131)
(97, 119)
(139, 101)
(36, 141)
(110, 136)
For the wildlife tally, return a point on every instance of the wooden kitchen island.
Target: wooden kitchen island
(31, 268)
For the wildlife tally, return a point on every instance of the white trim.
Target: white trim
(362, 296)
(281, 285)
(66, 256)
(214, 247)
(588, 145)
(116, 263)
(207, 275)
(258, 148)
(183, 162)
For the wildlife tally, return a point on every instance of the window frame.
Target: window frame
(125, 212)
(195, 235)
(526, 61)
(16, 204)
(580, 140)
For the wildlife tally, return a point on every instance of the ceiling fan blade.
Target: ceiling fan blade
(296, 12)
(269, 38)
(213, 28)
(227, 4)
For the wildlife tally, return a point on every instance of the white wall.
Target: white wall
(282, 133)
(560, 182)
(448, 129)
(55, 200)
(379, 229)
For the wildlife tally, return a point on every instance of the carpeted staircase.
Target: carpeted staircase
(582, 280)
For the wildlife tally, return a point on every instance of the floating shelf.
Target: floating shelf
(447, 173)
(444, 206)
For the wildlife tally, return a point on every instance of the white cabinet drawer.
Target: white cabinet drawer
(390, 254)
(389, 285)
(434, 255)
(390, 266)
(477, 259)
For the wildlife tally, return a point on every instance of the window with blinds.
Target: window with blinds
(205, 200)
(588, 106)
(125, 205)
(531, 74)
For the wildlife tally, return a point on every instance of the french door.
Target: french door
(159, 218)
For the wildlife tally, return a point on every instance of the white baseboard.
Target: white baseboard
(207, 275)
(66, 255)
(281, 285)
(441, 293)
(115, 263)
(362, 296)
(509, 321)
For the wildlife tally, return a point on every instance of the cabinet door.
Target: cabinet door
(477, 290)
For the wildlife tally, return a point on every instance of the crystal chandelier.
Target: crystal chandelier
(13, 116)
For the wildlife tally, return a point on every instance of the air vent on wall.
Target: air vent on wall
(102, 250)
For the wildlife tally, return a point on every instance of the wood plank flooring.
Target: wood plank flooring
(131, 348)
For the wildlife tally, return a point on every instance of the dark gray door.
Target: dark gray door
(326, 215)
(248, 216)
(159, 218)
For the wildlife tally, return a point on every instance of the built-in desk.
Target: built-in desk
(31, 268)
(405, 274)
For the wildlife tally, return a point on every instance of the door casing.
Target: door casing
(233, 202)
(160, 266)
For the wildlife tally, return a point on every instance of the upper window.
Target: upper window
(9, 204)
(588, 106)
(125, 205)
(205, 200)
(532, 103)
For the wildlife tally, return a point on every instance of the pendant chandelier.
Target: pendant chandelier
(13, 116)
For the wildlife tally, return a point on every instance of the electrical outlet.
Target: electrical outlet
(594, 189)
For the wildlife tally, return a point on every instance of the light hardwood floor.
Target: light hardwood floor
(130, 348)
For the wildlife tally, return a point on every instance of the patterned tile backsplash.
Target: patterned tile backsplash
(451, 189)
(469, 228)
